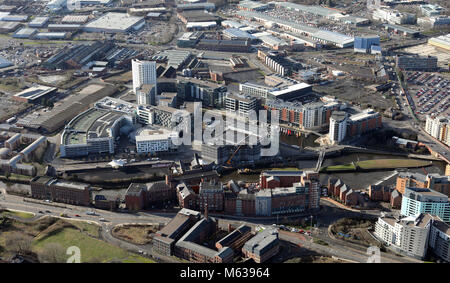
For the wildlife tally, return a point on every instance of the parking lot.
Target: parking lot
(430, 93)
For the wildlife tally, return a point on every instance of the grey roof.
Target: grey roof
(233, 236)
(262, 242)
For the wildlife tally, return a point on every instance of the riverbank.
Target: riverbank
(376, 164)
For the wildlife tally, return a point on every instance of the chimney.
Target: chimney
(168, 180)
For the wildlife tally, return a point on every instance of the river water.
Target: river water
(356, 180)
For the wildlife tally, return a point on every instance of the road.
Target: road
(326, 216)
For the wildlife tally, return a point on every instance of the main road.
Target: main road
(326, 216)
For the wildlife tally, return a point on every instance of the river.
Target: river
(356, 180)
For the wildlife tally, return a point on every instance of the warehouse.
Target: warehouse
(75, 19)
(115, 23)
(5, 63)
(237, 34)
(64, 27)
(7, 27)
(14, 18)
(334, 38)
(34, 94)
(52, 35)
(25, 33)
(224, 45)
(38, 22)
(441, 41)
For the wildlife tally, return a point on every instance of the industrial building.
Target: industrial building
(35, 94)
(401, 30)
(224, 45)
(365, 44)
(324, 36)
(79, 55)
(442, 41)
(7, 27)
(5, 63)
(416, 63)
(38, 22)
(115, 23)
(25, 33)
(51, 35)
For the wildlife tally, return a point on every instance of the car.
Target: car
(48, 211)
(77, 215)
(102, 219)
(40, 211)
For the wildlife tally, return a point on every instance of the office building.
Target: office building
(155, 141)
(240, 104)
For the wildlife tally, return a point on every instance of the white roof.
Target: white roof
(201, 24)
(290, 88)
(114, 21)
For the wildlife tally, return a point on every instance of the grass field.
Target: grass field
(68, 233)
(20, 214)
(92, 250)
(392, 163)
(379, 164)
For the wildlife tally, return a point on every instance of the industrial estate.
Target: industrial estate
(225, 131)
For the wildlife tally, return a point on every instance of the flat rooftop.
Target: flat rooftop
(114, 21)
(33, 93)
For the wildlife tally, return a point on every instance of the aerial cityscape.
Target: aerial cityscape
(224, 131)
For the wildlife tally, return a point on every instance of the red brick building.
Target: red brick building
(60, 190)
(380, 193)
(279, 179)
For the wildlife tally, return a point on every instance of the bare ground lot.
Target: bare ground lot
(136, 234)
(356, 93)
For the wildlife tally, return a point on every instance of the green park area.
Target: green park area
(19, 214)
(47, 240)
(377, 164)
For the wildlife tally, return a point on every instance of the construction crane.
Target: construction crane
(239, 147)
(232, 155)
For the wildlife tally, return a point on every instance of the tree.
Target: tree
(18, 243)
(52, 253)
